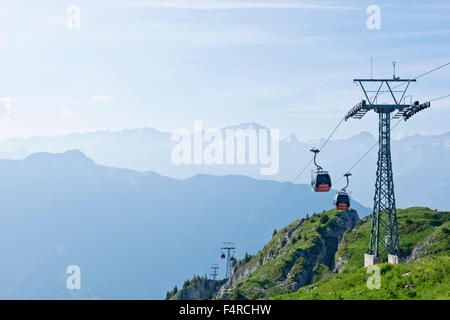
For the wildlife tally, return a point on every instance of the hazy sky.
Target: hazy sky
(284, 64)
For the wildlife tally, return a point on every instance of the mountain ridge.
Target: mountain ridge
(127, 230)
(147, 149)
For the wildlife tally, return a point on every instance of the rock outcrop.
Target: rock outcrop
(309, 252)
(289, 260)
(199, 289)
(437, 242)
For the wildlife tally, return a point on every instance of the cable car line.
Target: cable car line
(320, 149)
(393, 127)
(331, 134)
(432, 70)
(365, 154)
(417, 77)
(447, 95)
(342, 120)
(342, 199)
(297, 176)
(320, 179)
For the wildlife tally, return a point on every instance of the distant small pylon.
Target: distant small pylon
(214, 273)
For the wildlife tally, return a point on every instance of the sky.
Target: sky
(285, 64)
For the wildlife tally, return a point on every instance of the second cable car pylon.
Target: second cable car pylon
(384, 229)
(229, 247)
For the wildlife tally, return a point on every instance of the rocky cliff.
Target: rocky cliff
(321, 257)
(423, 274)
(422, 232)
(297, 255)
(198, 289)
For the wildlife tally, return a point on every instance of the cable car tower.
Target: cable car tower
(229, 247)
(214, 273)
(384, 229)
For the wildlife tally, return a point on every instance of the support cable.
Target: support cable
(415, 78)
(297, 176)
(372, 147)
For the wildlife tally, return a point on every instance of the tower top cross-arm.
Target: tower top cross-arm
(383, 86)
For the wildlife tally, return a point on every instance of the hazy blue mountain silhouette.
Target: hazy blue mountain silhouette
(415, 160)
(134, 234)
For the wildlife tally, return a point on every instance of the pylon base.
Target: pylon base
(393, 259)
(370, 260)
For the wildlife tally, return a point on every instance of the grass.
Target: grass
(414, 225)
(423, 279)
(426, 278)
(278, 262)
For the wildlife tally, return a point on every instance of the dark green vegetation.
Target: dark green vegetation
(425, 245)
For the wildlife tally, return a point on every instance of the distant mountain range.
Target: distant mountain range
(133, 234)
(419, 162)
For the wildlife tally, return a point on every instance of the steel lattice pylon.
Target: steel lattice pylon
(229, 247)
(384, 229)
(214, 272)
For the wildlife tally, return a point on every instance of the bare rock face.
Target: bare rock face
(420, 250)
(199, 289)
(340, 264)
(341, 260)
(430, 245)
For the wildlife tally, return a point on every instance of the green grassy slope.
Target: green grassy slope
(284, 260)
(414, 225)
(424, 233)
(427, 278)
